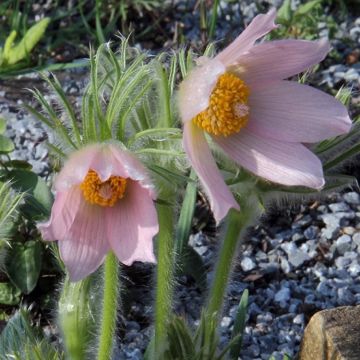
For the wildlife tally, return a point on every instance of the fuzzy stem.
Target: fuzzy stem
(165, 272)
(109, 310)
(237, 221)
(75, 318)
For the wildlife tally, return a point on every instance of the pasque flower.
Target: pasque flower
(240, 101)
(103, 201)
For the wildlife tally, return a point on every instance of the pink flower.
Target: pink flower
(104, 201)
(261, 121)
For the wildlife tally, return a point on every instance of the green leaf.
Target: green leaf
(8, 44)
(24, 265)
(183, 228)
(150, 350)
(18, 164)
(239, 325)
(20, 340)
(180, 340)
(2, 125)
(307, 7)
(6, 145)
(9, 294)
(9, 204)
(172, 176)
(284, 14)
(39, 200)
(345, 155)
(27, 43)
(338, 182)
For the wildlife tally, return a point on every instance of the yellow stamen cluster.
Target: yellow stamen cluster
(103, 193)
(227, 112)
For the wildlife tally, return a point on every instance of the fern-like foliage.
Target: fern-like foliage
(19, 340)
(9, 204)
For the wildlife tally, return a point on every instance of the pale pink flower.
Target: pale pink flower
(103, 201)
(261, 121)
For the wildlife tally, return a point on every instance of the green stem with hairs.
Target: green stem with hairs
(165, 273)
(236, 223)
(109, 310)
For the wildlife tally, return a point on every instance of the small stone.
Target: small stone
(293, 308)
(345, 297)
(304, 221)
(352, 198)
(260, 255)
(343, 244)
(323, 209)
(299, 319)
(341, 262)
(252, 350)
(311, 232)
(339, 75)
(297, 237)
(201, 250)
(339, 207)
(265, 317)
(283, 295)
(296, 256)
(324, 288)
(354, 269)
(133, 325)
(352, 255)
(247, 264)
(320, 270)
(226, 322)
(254, 309)
(345, 215)
(356, 238)
(349, 230)
(332, 223)
(338, 68)
(269, 268)
(351, 75)
(285, 266)
(309, 299)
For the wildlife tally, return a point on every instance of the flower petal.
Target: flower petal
(106, 159)
(63, 213)
(294, 112)
(195, 90)
(132, 168)
(281, 162)
(259, 26)
(278, 60)
(76, 167)
(131, 225)
(201, 159)
(84, 246)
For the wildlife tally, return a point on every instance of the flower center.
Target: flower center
(103, 193)
(228, 111)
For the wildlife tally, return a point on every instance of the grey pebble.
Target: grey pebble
(247, 264)
(352, 198)
(343, 244)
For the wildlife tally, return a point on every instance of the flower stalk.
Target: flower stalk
(75, 317)
(165, 273)
(109, 310)
(237, 222)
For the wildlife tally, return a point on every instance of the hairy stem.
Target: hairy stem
(165, 273)
(109, 310)
(236, 223)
